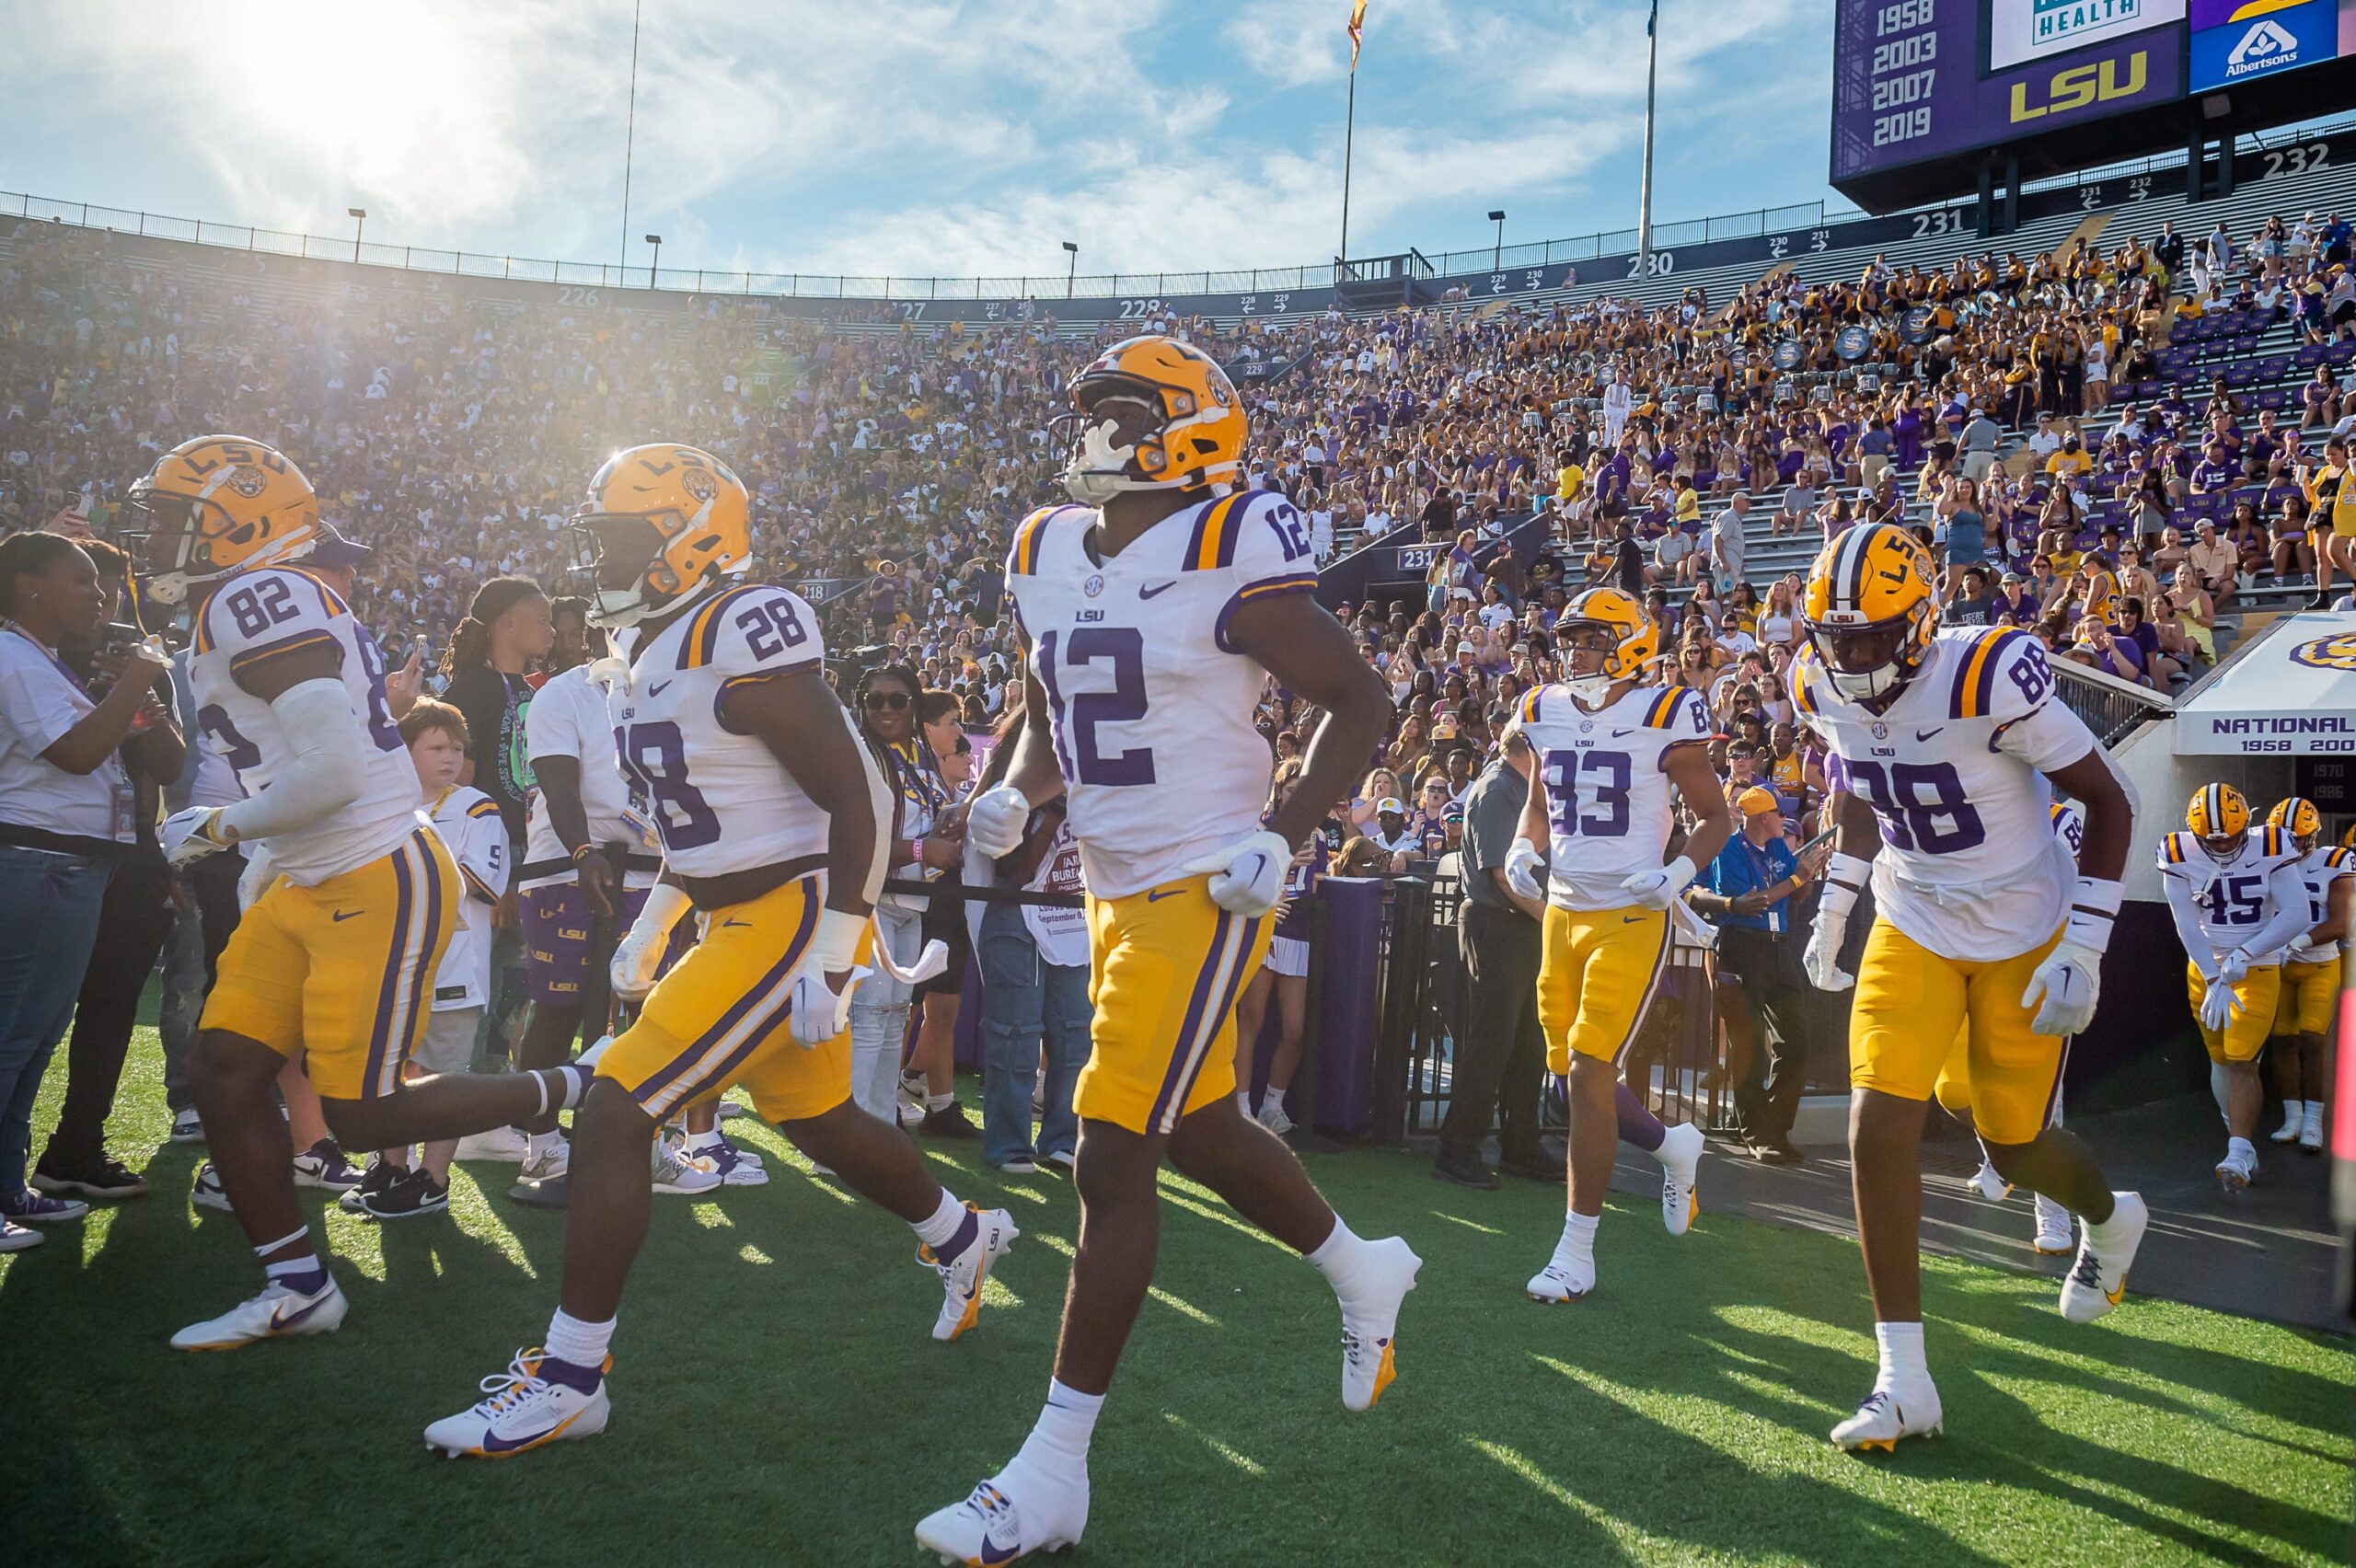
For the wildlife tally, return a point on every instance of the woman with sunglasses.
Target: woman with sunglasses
(885, 699)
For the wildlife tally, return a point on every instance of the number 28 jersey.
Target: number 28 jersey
(1607, 785)
(1969, 866)
(1149, 705)
(247, 624)
(721, 801)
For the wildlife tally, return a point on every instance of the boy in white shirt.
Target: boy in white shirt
(468, 824)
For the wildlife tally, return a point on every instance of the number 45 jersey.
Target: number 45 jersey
(259, 618)
(1970, 865)
(1149, 705)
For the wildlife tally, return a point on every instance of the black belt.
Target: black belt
(22, 836)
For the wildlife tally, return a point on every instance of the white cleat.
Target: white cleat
(1019, 1511)
(276, 1313)
(2098, 1279)
(2239, 1168)
(1561, 1281)
(2292, 1122)
(1889, 1414)
(2311, 1135)
(504, 1145)
(1990, 1185)
(521, 1410)
(1370, 1333)
(962, 1277)
(2053, 1237)
(1681, 1172)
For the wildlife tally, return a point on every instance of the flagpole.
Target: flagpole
(1349, 125)
(1645, 193)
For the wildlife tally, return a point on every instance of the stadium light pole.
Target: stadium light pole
(655, 240)
(1645, 191)
(1497, 257)
(359, 216)
(1071, 276)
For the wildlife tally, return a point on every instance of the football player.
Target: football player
(1947, 740)
(1606, 753)
(2239, 900)
(2310, 990)
(767, 807)
(337, 955)
(1154, 608)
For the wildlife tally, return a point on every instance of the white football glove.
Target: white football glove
(637, 957)
(2064, 988)
(994, 823)
(193, 833)
(2218, 1005)
(1822, 959)
(259, 872)
(1248, 876)
(2233, 966)
(819, 1012)
(1658, 888)
(1525, 869)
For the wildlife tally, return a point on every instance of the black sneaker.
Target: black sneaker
(949, 1122)
(411, 1193)
(376, 1181)
(1465, 1170)
(104, 1177)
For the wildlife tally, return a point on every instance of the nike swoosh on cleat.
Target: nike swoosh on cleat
(492, 1443)
(279, 1323)
(1927, 734)
(340, 916)
(994, 1553)
(1157, 588)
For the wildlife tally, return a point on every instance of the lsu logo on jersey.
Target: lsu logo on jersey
(2337, 652)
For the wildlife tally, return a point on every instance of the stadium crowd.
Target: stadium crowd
(2023, 414)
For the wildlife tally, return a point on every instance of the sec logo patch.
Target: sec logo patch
(2327, 652)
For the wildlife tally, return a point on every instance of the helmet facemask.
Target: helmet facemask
(1595, 644)
(176, 550)
(619, 556)
(1870, 660)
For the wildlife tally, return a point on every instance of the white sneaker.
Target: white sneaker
(2239, 1168)
(276, 1312)
(2053, 1237)
(521, 1411)
(1562, 1280)
(1371, 1325)
(962, 1278)
(1990, 1185)
(188, 1127)
(675, 1171)
(1020, 1165)
(549, 1165)
(503, 1144)
(323, 1166)
(1021, 1510)
(2293, 1120)
(1272, 1114)
(208, 1193)
(1889, 1415)
(2097, 1280)
(14, 1238)
(1681, 1167)
(738, 1167)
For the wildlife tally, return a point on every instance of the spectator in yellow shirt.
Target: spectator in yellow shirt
(2071, 460)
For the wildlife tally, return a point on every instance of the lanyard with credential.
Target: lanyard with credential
(1761, 868)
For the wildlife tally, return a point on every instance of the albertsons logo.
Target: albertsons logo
(2267, 46)
(2055, 22)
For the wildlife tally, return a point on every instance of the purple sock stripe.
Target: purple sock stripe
(967, 1229)
(1638, 1125)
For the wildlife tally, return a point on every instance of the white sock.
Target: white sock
(705, 1141)
(1577, 1245)
(2241, 1149)
(2314, 1119)
(582, 1345)
(944, 1222)
(2102, 1238)
(2219, 1077)
(1066, 1422)
(1339, 1258)
(940, 1102)
(1901, 1346)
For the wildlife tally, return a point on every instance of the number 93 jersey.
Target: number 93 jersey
(721, 801)
(1970, 865)
(1607, 785)
(254, 620)
(1149, 705)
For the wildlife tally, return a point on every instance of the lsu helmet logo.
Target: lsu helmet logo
(2338, 653)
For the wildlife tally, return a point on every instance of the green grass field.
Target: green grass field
(775, 1399)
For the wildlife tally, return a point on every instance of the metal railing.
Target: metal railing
(2110, 706)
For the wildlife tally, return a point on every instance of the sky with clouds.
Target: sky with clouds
(951, 137)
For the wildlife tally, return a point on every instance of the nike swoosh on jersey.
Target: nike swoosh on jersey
(1921, 735)
(1618, 734)
(340, 916)
(657, 688)
(1157, 588)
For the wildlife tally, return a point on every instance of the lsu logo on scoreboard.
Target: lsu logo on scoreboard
(2079, 86)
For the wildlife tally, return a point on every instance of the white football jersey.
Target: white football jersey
(245, 623)
(1608, 790)
(469, 826)
(2319, 868)
(2231, 897)
(721, 801)
(1971, 864)
(568, 718)
(1150, 708)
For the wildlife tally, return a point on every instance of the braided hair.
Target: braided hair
(470, 642)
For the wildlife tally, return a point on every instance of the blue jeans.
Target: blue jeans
(1025, 999)
(49, 919)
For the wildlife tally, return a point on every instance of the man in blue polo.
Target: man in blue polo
(1747, 892)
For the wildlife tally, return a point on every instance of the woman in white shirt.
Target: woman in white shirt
(66, 807)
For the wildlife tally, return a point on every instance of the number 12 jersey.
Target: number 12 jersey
(1150, 706)
(1954, 769)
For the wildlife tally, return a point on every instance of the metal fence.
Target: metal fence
(2111, 708)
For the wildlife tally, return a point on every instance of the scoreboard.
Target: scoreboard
(1925, 91)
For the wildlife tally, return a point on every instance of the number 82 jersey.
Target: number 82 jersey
(1955, 771)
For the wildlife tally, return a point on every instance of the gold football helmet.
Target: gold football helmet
(1870, 611)
(2218, 818)
(1607, 629)
(2296, 815)
(1150, 413)
(662, 522)
(218, 505)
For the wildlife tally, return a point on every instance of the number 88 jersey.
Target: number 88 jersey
(1954, 769)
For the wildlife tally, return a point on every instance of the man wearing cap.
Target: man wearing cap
(2016, 606)
(1980, 437)
(1747, 892)
(1394, 836)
